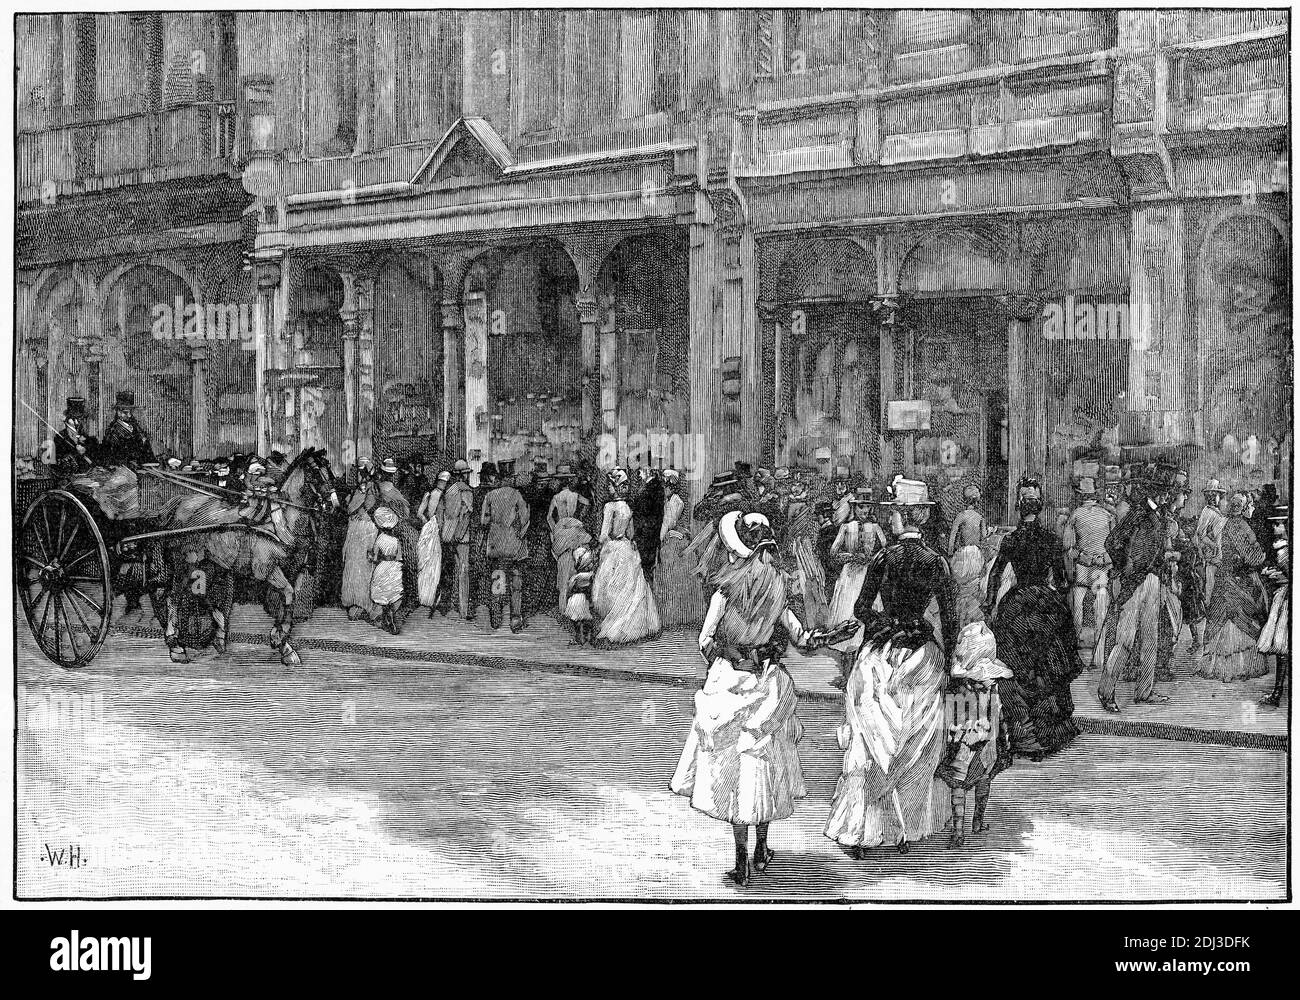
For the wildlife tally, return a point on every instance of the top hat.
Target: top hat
(506, 467)
(744, 469)
(823, 507)
(76, 407)
(125, 399)
(903, 492)
(563, 471)
(1162, 475)
(487, 469)
(726, 479)
(1086, 486)
(841, 473)
(388, 466)
(460, 468)
(862, 495)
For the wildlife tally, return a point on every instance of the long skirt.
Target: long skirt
(1035, 634)
(968, 580)
(740, 763)
(357, 567)
(409, 537)
(677, 591)
(621, 595)
(386, 583)
(430, 553)
(1233, 624)
(1276, 636)
(568, 534)
(812, 581)
(847, 588)
(893, 741)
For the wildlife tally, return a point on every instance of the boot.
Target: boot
(763, 854)
(740, 874)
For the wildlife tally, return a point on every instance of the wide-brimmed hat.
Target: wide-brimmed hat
(443, 477)
(671, 475)
(388, 466)
(862, 495)
(385, 518)
(733, 524)
(76, 407)
(125, 399)
(460, 468)
(1213, 486)
(1162, 475)
(724, 481)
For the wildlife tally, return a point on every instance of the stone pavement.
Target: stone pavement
(1199, 710)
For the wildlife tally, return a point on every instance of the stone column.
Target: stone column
(599, 337)
(200, 444)
(774, 449)
(358, 315)
(1026, 417)
(453, 266)
(478, 431)
(266, 273)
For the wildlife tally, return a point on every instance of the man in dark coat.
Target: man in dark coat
(455, 513)
(647, 518)
(125, 442)
(505, 520)
(74, 450)
(1137, 549)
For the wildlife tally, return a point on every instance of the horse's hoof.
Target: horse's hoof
(290, 658)
(219, 646)
(179, 655)
(956, 841)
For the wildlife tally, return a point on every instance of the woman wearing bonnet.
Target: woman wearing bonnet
(740, 764)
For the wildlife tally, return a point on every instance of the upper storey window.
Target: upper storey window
(650, 62)
(795, 42)
(542, 58)
(331, 83)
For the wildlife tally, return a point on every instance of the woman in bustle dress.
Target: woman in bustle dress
(1034, 628)
(357, 568)
(740, 764)
(676, 588)
(893, 735)
(430, 544)
(620, 592)
(1238, 606)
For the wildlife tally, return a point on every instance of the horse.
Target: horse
(275, 553)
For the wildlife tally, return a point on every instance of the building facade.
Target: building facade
(965, 245)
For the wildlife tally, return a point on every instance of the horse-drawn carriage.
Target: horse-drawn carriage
(82, 538)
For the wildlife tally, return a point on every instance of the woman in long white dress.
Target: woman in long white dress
(430, 544)
(893, 734)
(621, 595)
(357, 568)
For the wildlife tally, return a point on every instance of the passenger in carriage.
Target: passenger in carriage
(74, 449)
(125, 441)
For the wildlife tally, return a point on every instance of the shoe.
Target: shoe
(517, 625)
(1153, 699)
(1272, 701)
(739, 874)
(761, 861)
(903, 847)
(1109, 705)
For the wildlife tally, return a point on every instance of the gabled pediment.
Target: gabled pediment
(471, 150)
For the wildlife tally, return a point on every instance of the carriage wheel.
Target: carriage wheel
(64, 579)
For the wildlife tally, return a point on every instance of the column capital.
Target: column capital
(1022, 306)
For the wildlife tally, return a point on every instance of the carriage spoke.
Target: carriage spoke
(58, 636)
(85, 555)
(72, 632)
(97, 608)
(58, 541)
(33, 560)
(35, 536)
(72, 536)
(80, 617)
(40, 631)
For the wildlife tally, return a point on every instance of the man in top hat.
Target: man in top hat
(125, 441)
(505, 518)
(1086, 531)
(725, 494)
(74, 450)
(455, 511)
(1207, 545)
(1137, 548)
(647, 503)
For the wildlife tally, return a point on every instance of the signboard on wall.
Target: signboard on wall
(909, 415)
